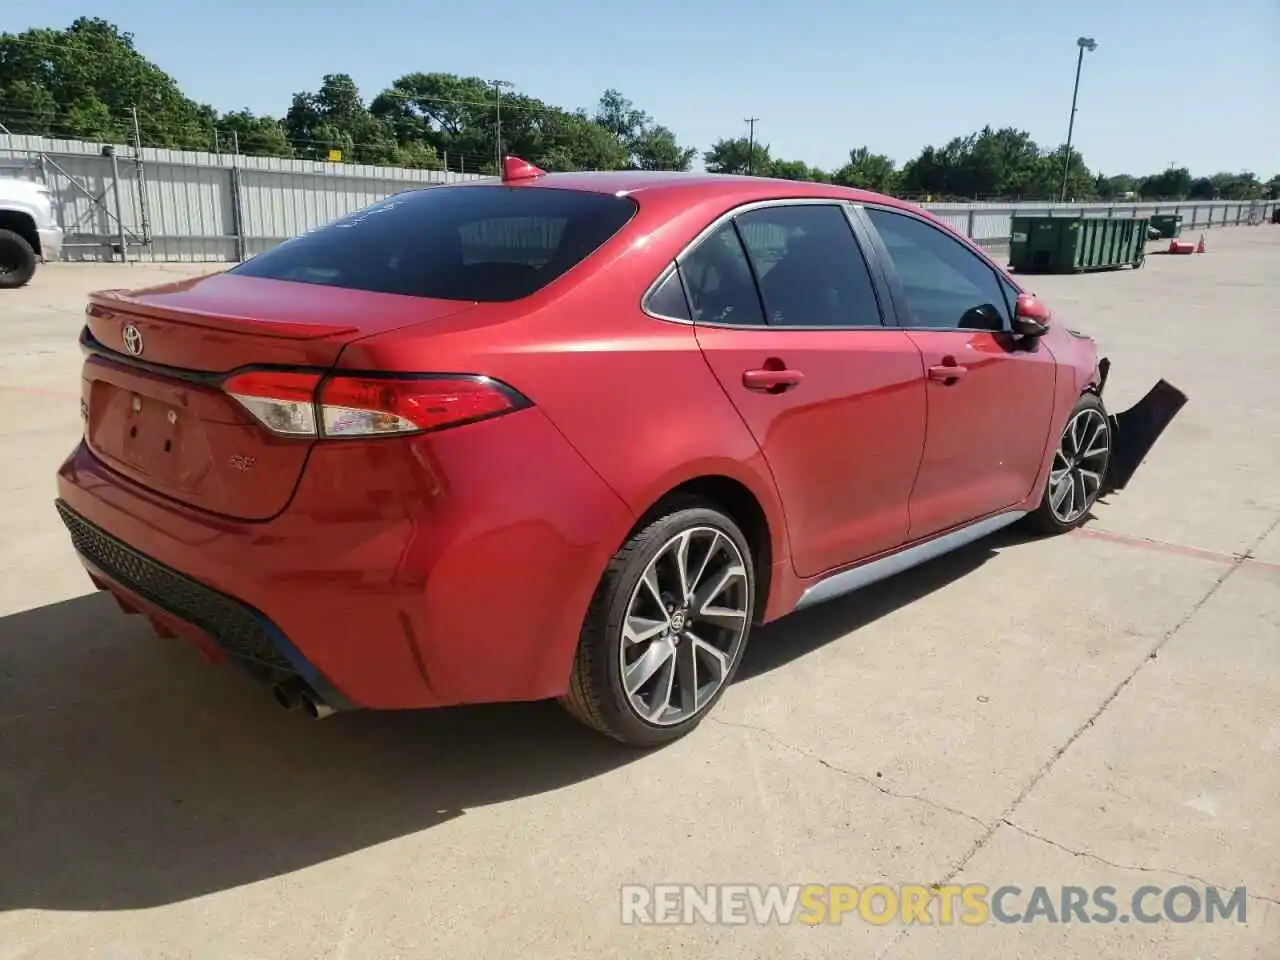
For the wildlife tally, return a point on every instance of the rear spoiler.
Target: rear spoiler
(108, 303)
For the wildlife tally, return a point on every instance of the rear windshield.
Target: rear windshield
(452, 243)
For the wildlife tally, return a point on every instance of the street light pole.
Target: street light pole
(497, 144)
(1084, 43)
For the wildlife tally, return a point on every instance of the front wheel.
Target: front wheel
(666, 630)
(1078, 470)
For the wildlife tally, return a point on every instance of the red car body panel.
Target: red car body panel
(844, 450)
(458, 566)
(988, 432)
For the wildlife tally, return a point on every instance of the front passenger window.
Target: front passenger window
(718, 279)
(947, 286)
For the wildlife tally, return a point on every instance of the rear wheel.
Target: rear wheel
(1079, 467)
(666, 630)
(17, 260)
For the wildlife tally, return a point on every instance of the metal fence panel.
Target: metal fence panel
(180, 205)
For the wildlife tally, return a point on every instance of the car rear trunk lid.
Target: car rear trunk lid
(154, 406)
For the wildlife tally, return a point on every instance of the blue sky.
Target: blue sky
(1186, 81)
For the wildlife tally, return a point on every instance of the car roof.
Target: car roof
(696, 186)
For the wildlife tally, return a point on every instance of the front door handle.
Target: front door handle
(947, 373)
(771, 381)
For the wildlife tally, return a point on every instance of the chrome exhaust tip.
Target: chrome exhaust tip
(316, 708)
(296, 693)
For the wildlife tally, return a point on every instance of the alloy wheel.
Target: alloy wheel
(686, 621)
(1079, 465)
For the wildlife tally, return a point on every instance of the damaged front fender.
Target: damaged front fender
(1135, 431)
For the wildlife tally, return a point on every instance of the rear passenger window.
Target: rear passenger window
(719, 281)
(811, 269)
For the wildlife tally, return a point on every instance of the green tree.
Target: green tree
(1171, 184)
(1202, 188)
(89, 76)
(335, 118)
(648, 146)
(1237, 186)
(868, 171)
(1080, 182)
(989, 164)
(797, 170)
(1114, 187)
(739, 156)
(255, 136)
(569, 141)
(456, 117)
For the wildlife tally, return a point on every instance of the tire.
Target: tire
(17, 260)
(624, 629)
(1088, 425)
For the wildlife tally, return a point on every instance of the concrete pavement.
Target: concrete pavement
(1098, 709)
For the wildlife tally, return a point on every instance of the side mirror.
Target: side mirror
(1031, 317)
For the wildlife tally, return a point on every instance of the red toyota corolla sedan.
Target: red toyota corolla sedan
(570, 436)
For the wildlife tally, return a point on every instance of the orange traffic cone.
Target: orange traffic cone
(1200, 245)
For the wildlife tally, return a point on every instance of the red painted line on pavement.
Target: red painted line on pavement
(1177, 549)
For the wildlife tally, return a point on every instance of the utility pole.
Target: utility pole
(497, 151)
(1084, 43)
(751, 142)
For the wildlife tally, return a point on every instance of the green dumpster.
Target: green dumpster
(1076, 244)
(1169, 225)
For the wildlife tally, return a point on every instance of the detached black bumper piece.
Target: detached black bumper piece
(1135, 431)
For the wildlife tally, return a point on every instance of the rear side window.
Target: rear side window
(811, 269)
(491, 244)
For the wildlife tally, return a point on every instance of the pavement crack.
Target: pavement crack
(1110, 698)
(876, 783)
(1127, 866)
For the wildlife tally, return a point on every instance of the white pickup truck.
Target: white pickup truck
(29, 230)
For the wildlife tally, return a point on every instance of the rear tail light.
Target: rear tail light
(309, 405)
(282, 401)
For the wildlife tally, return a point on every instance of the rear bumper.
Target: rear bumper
(177, 605)
(451, 568)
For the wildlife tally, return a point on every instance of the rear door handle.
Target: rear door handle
(771, 381)
(947, 372)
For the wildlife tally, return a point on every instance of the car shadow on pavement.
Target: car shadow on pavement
(133, 775)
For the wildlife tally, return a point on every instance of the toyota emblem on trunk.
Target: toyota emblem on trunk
(132, 340)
